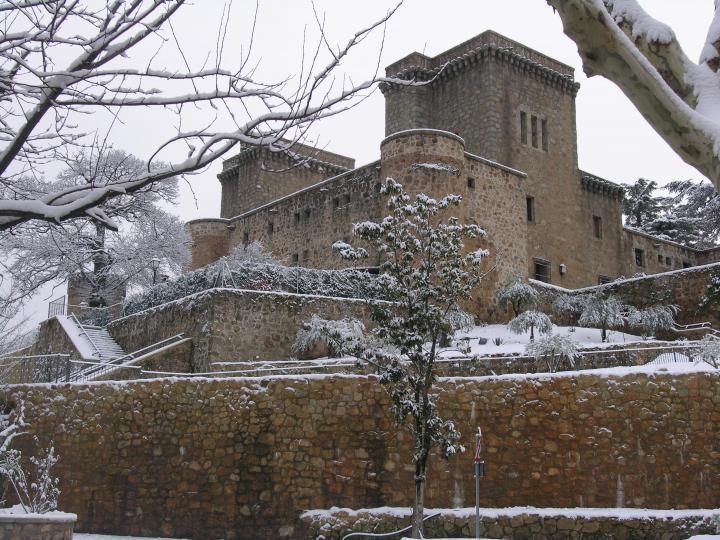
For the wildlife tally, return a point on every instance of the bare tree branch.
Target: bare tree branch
(43, 95)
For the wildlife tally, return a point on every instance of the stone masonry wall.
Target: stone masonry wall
(240, 458)
(687, 289)
(258, 176)
(227, 324)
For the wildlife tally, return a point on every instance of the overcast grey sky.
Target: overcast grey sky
(614, 140)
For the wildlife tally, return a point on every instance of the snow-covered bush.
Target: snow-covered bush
(259, 276)
(342, 337)
(653, 319)
(554, 350)
(426, 273)
(530, 320)
(252, 252)
(518, 295)
(710, 351)
(602, 311)
(37, 492)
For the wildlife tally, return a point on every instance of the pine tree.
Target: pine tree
(425, 272)
(640, 206)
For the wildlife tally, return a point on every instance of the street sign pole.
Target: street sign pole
(479, 473)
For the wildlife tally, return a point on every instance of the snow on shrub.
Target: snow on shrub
(255, 275)
(518, 295)
(530, 320)
(342, 337)
(710, 351)
(554, 350)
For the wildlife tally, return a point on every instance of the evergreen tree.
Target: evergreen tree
(693, 216)
(425, 272)
(640, 205)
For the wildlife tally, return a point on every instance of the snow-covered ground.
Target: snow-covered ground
(515, 343)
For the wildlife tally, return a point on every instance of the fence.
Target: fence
(45, 368)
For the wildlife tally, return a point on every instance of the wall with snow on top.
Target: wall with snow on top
(242, 458)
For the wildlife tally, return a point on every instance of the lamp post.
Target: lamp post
(155, 265)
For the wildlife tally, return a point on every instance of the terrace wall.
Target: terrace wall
(241, 458)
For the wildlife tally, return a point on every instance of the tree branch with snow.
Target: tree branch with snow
(62, 60)
(679, 98)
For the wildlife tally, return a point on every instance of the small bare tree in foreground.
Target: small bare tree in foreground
(425, 274)
(63, 60)
(619, 40)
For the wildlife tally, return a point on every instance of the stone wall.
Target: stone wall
(656, 254)
(241, 458)
(54, 526)
(258, 176)
(519, 523)
(687, 289)
(228, 324)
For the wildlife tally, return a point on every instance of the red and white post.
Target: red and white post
(479, 473)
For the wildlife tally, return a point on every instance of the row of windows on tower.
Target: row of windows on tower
(538, 133)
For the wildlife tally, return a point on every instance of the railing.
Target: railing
(43, 368)
(95, 370)
(87, 336)
(56, 307)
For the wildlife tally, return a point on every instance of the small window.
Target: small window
(346, 199)
(523, 127)
(270, 227)
(597, 227)
(602, 280)
(530, 208)
(668, 261)
(639, 257)
(542, 270)
(543, 126)
(306, 255)
(246, 238)
(534, 130)
(307, 213)
(687, 264)
(660, 258)
(295, 258)
(336, 202)
(471, 183)
(297, 218)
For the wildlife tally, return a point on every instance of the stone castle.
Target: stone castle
(499, 120)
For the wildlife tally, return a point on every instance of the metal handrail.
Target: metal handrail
(120, 360)
(82, 329)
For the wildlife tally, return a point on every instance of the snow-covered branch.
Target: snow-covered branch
(680, 99)
(61, 60)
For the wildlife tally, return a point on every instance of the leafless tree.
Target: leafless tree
(61, 60)
(37, 253)
(680, 98)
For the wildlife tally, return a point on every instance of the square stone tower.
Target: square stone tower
(516, 106)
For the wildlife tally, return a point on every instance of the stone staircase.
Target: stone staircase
(106, 347)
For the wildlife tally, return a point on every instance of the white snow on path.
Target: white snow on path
(90, 536)
(516, 343)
